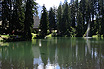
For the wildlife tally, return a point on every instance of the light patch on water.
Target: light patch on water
(49, 66)
(52, 66)
(94, 53)
(40, 44)
(85, 50)
(37, 60)
(41, 66)
(76, 50)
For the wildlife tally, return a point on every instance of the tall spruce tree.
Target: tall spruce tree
(101, 4)
(59, 18)
(98, 19)
(5, 14)
(65, 20)
(83, 11)
(52, 23)
(92, 25)
(14, 21)
(44, 22)
(18, 16)
(10, 2)
(79, 24)
(28, 19)
(73, 12)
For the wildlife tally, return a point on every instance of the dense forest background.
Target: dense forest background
(17, 17)
(73, 19)
(77, 19)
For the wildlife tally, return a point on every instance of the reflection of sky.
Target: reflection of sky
(65, 54)
(52, 66)
(38, 61)
(94, 53)
(40, 44)
(76, 54)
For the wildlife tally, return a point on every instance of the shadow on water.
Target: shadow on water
(53, 53)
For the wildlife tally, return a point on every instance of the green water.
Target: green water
(53, 53)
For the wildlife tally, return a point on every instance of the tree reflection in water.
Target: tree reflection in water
(54, 53)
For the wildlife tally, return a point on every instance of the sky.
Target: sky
(50, 3)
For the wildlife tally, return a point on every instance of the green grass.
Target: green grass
(50, 35)
(33, 35)
(97, 36)
(3, 36)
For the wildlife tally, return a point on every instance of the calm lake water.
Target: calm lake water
(53, 53)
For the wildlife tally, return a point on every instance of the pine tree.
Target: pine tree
(52, 23)
(44, 22)
(79, 24)
(10, 2)
(28, 20)
(65, 20)
(73, 12)
(101, 11)
(21, 15)
(18, 16)
(5, 14)
(82, 8)
(79, 20)
(59, 18)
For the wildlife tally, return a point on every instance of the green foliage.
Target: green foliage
(72, 15)
(69, 20)
(5, 14)
(73, 32)
(17, 15)
(65, 19)
(59, 18)
(44, 22)
(28, 20)
(52, 22)
(79, 25)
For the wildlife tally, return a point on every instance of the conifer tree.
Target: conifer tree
(79, 24)
(5, 14)
(28, 20)
(72, 7)
(52, 23)
(44, 22)
(101, 12)
(65, 20)
(83, 10)
(59, 18)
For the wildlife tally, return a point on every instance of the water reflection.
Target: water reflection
(54, 53)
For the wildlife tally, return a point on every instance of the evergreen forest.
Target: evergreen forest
(76, 19)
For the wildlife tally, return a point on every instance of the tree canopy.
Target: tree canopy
(17, 17)
(74, 19)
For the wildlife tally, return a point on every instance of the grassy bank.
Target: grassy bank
(97, 36)
(48, 36)
(3, 36)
